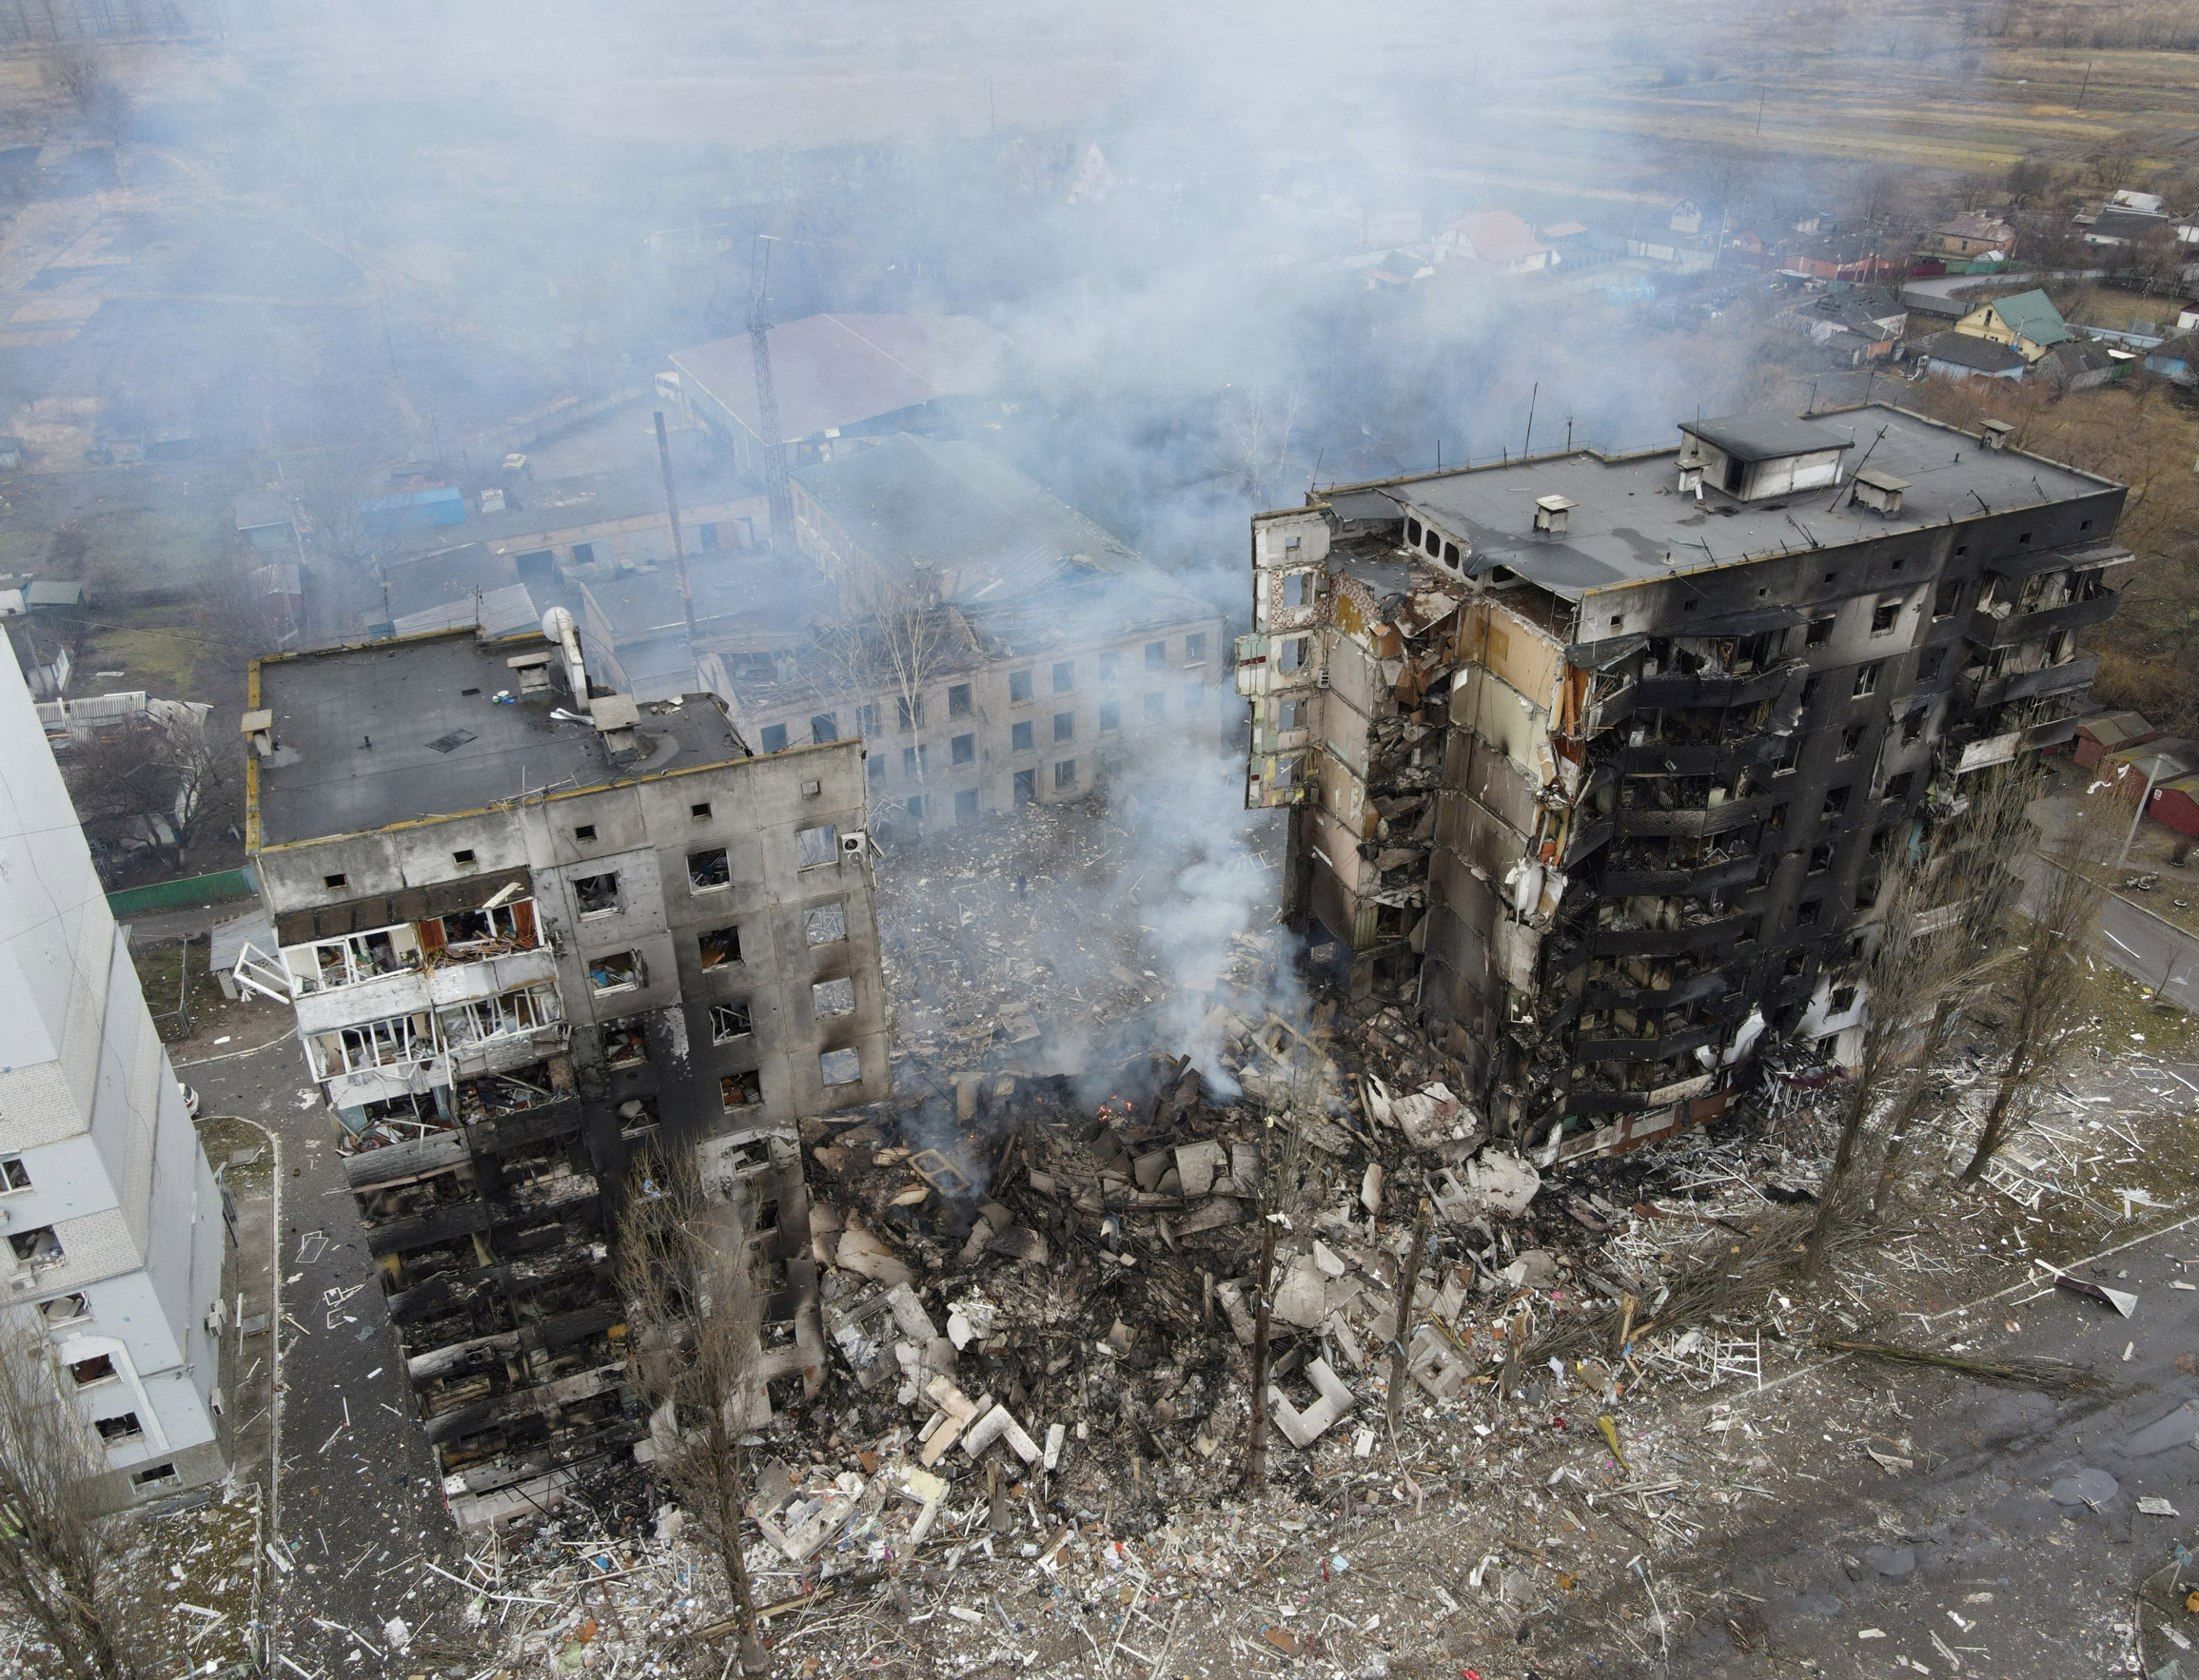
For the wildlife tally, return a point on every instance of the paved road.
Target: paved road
(2013, 1541)
(359, 1499)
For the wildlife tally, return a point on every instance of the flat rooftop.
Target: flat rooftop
(393, 732)
(1630, 522)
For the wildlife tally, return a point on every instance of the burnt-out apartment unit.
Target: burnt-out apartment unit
(1598, 759)
(531, 931)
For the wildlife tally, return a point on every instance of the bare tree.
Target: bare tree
(72, 71)
(146, 783)
(60, 1555)
(2046, 987)
(1977, 864)
(1902, 978)
(891, 636)
(693, 1316)
(2114, 161)
(1256, 443)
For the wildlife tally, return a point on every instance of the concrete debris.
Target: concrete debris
(1334, 1399)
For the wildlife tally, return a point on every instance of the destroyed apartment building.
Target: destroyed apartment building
(990, 645)
(530, 929)
(1596, 760)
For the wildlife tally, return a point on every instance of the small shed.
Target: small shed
(264, 520)
(2176, 804)
(2110, 732)
(2159, 762)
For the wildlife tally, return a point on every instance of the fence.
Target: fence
(183, 894)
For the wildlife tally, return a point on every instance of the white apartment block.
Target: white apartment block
(111, 1214)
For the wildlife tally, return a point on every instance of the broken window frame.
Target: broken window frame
(328, 965)
(122, 1430)
(740, 1090)
(1022, 737)
(842, 1058)
(462, 932)
(962, 748)
(1064, 727)
(772, 738)
(718, 947)
(391, 1042)
(1065, 676)
(37, 1247)
(960, 702)
(715, 873)
(631, 978)
(1110, 667)
(1019, 687)
(1065, 775)
(14, 1175)
(1195, 648)
(824, 729)
(817, 919)
(609, 900)
(625, 1043)
(94, 1372)
(814, 853)
(833, 997)
(518, 1013)
(731, 1021)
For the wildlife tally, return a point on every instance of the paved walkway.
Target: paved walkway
(357, 1501)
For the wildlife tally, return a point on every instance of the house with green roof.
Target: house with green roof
(2027, 322)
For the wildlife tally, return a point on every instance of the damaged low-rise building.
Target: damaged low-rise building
(990, 645)
(532, 930)
(1598, 759)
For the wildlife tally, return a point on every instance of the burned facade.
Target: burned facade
(1598, 759)
(532, 930)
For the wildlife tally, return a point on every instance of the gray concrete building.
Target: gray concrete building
(112, 1216)
(989, 644)
(1597, 760)
(533, 929)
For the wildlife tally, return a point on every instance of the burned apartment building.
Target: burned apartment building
(531, 931)
(990, 645)
(1599, 758)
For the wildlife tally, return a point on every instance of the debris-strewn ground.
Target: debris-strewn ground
(1012, 1265)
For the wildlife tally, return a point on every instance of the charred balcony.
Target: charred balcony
(1984, 686)
(1680, 938)
(1646, 807)
(1659, 868)
(1989, 632)
(1652, 1047)
(1707, 687)
(1646, 984)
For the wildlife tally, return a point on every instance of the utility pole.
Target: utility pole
(774, 467)
(2146, 799)
(1256, 1443)
(1406, 1286)
(678, 550)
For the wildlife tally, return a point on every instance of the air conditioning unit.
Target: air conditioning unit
(855, 843)
(1321, 678)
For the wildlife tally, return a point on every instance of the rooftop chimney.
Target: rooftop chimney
(1550, 511)
(1878, 490)
(558, 625)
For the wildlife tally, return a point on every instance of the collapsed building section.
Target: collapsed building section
(533, 932)
(1598, 759)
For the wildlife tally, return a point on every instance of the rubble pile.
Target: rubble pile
(1007, 944)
